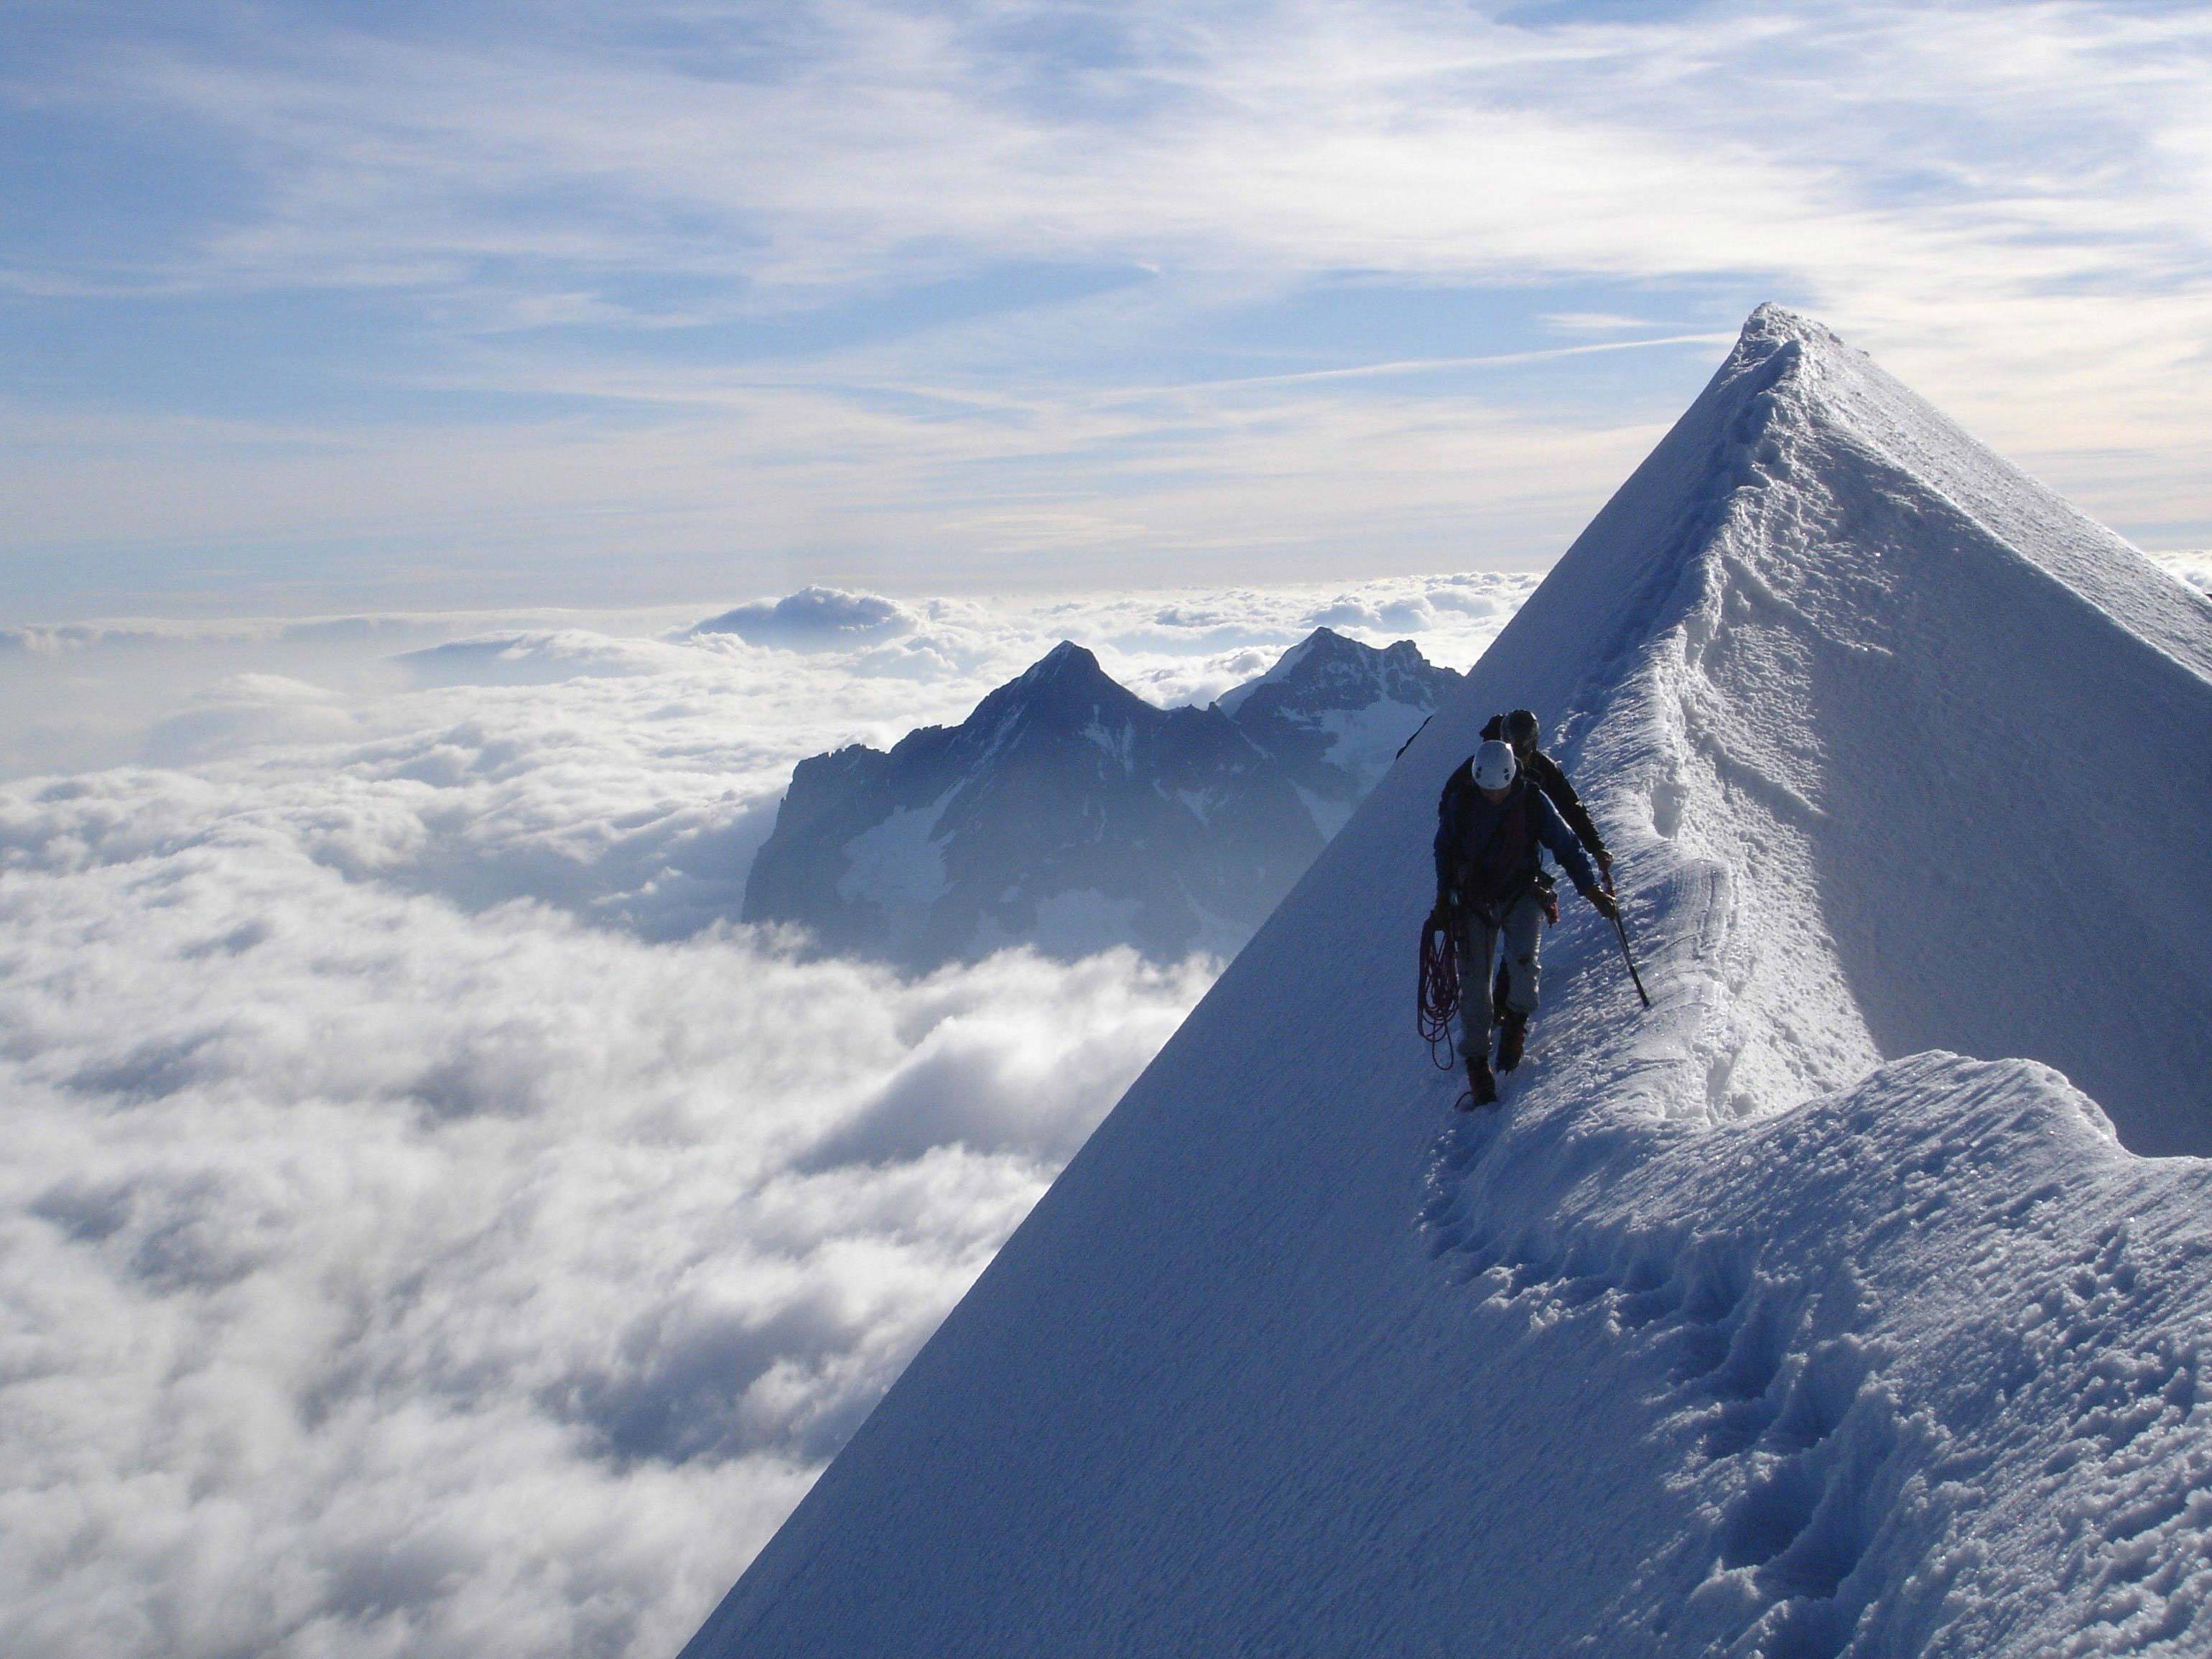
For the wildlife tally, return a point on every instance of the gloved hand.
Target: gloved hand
(1601, 902)
(1605, 869)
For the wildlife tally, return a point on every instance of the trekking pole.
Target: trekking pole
(1626, 955)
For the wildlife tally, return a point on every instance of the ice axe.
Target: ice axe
(1628, 955)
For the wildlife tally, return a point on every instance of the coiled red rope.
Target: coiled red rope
(1438, 1000)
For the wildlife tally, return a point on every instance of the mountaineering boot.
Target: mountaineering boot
(1481, 1086)
(1512, 1037)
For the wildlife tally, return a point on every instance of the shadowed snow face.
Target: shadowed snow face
(426, 1225)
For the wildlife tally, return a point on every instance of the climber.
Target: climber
(1492, 828)
(1519, 729)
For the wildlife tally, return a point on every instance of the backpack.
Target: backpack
(1496, 873)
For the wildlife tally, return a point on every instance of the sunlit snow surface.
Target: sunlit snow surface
(426, 1225)
(1766, 1322)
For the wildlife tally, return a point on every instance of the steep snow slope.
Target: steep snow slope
(1756, 1324)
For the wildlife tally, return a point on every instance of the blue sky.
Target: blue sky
(337, 305)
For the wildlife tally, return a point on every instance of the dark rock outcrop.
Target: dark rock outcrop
(1069, 814)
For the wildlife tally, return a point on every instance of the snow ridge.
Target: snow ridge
(1768, 1323)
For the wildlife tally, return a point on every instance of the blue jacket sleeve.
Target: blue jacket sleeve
(1552, 831)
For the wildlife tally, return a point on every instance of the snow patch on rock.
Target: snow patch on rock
(898, 863)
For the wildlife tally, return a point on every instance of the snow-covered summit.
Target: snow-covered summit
(1327, 658)
(1333, 714)
(1857, 670)
(1815, 1312)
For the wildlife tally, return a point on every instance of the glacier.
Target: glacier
(1852, 1301)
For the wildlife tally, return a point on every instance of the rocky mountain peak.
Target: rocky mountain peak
(1066, 680)
(1069, 814)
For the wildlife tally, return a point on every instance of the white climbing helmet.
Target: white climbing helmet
(1494, 765)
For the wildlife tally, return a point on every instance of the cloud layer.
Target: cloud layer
(2194, 568)
(383, 1279)
(428, 1226)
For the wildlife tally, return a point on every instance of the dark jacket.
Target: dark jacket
(1479, 853)
(1544, 772)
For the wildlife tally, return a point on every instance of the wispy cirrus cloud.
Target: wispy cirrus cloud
(696, 275)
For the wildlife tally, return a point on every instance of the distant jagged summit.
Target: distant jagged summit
(1333, 713)
(1818, 1310)
(1328, 669)
(1067, 813)
(1064, 691)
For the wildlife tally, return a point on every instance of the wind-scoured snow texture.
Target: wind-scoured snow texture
(1763, 1323)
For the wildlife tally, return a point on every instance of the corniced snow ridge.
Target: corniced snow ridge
(1818, 1311)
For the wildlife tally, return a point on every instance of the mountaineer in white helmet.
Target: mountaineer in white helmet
(1491, 831)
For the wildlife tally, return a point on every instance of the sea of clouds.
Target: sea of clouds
(429, 1223)
(2193, 568)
